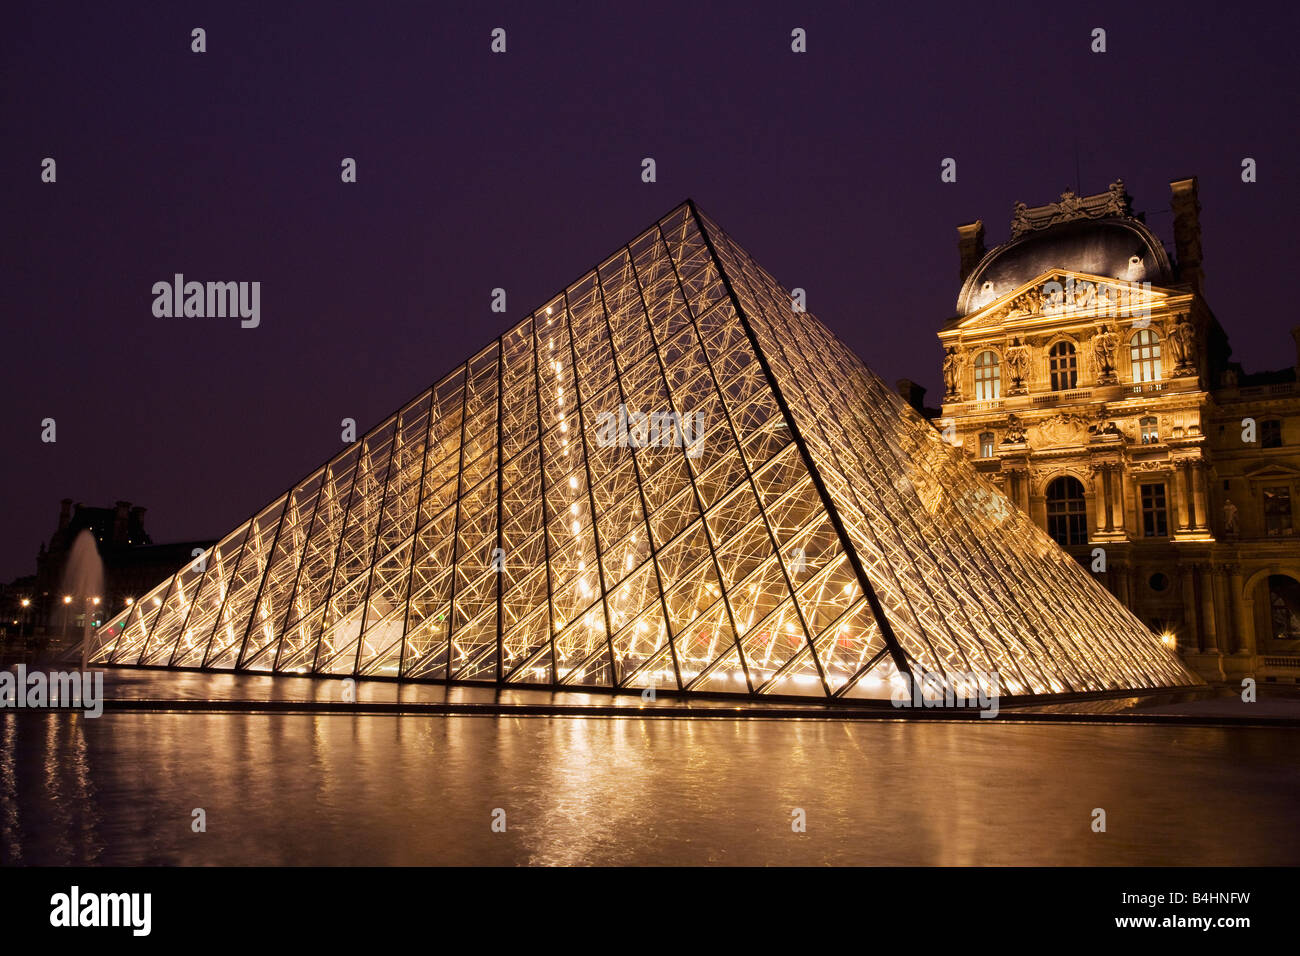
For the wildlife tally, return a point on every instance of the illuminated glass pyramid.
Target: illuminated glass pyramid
(666, 476)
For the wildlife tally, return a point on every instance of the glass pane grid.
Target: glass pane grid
(666, 476)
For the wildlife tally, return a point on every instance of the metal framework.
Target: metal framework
(816, 538)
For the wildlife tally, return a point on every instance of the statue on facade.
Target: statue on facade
(951, 373)
(1118, 200)
(1017, 359)
(1182, 343)
(1020, 223)
(1229, 517)
(1104, 344)
(1015, 431)
(1071, 206)
(1103, 427)
(1029, 302)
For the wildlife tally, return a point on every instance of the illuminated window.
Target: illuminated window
(1284, 607)
(1064, 366)
(1155, 519)
(986, 444)
(1144, 351)
(1150, 430)
(988, 377)
(1067, 511)
(1277, 510)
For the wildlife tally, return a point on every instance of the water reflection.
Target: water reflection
(342, 789)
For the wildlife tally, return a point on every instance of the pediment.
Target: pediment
(1271, 471)
(1063, 294)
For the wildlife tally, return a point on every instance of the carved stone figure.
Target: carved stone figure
(1182, 343)
(1017, 359)
(1071, 206)
(1104, 344)
(1020, 223)
(1015, 431)
(1113, 202)
(1064, 429)
(1229, 517)
(951, 373)
(1118, 204)
(1029, 302)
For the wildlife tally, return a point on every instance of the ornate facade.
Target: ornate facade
(1085, 373)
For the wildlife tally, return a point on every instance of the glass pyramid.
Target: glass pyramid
(665, 476)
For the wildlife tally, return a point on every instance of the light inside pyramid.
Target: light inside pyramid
(667, 476)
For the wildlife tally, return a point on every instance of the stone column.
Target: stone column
(1189, 481)
(1098, 496)
(1207, 659)
(1110, 496)
(1180, 497)
(1119, 498)
(1244, 637)
(1189, 607)
(1209, 634)
(1015, 488)
(1223, 605)
(1200, 493)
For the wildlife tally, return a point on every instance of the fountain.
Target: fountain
(83, 582)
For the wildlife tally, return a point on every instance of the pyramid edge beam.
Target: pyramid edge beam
(886, 627)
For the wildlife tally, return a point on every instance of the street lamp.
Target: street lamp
(85, 631)
(22, 628)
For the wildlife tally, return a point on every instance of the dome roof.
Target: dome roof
(1117, 247)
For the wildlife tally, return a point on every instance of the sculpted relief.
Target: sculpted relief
(1062, 429)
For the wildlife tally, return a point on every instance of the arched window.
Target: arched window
(1150, 426)
(986, 444)
(1144, 351)
(988, 377)
(1284, 607)
(1067, 512)
(1064, 366)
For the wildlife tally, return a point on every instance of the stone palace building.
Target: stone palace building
(1087, 375)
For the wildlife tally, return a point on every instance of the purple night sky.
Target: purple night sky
(523, 170)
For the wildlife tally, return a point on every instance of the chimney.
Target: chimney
(1187, 231)
(912, 393)
(65, 513)
(970, 243)
(121, 511)
(137, 525)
